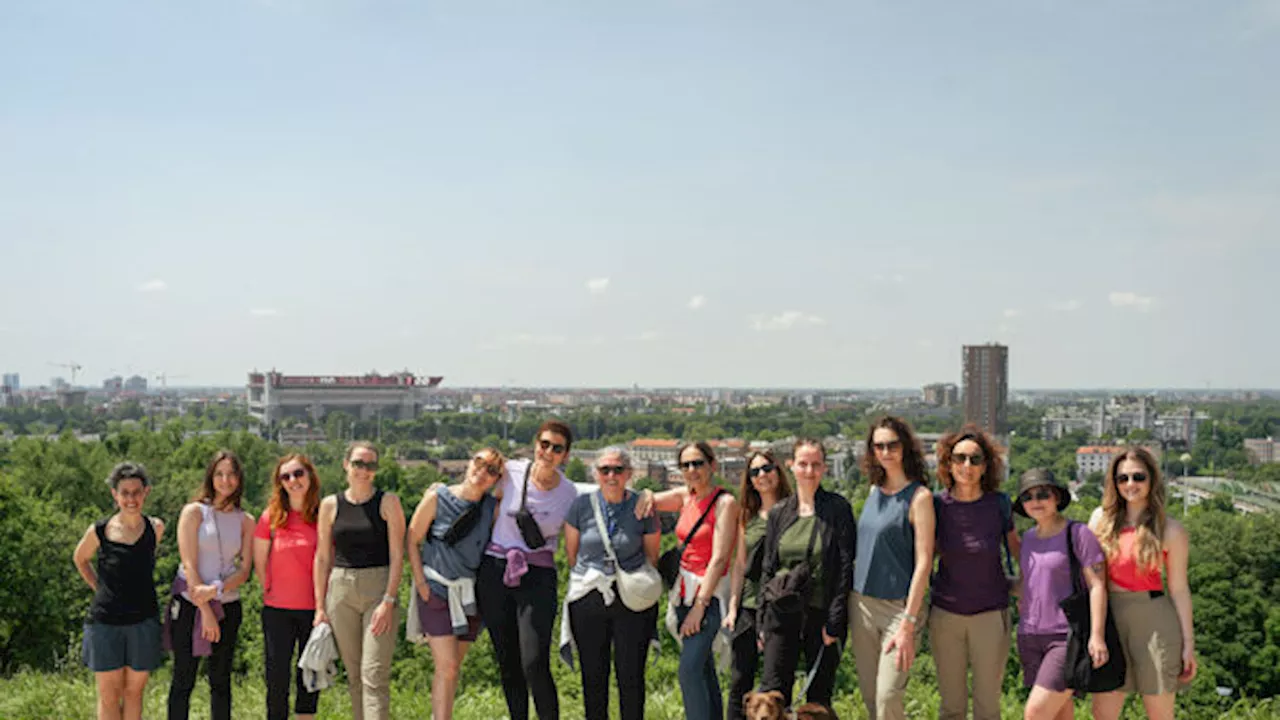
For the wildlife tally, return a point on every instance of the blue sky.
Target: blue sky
(663, 193)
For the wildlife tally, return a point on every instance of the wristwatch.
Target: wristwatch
(390, 599)
(910, 618)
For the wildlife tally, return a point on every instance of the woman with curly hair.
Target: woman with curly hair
(1155, 628)
(969, 621)
(891, 574)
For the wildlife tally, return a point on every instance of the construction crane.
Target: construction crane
(164, 379)
(74, 367)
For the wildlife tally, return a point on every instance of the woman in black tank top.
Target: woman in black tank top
(359, 553)
(122, 633)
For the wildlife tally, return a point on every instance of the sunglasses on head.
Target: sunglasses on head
(758, 471)
(1125, 478)
(369, 465)
(691, 464)
(1037, 494)
(556, 448)
(611, 469)
(298, 474)
(891, 446)
(975, 459)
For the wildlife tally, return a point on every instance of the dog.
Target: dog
(771, 706)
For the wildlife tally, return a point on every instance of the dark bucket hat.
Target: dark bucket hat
(1037, 477)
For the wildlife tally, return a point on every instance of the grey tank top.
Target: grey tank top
(462, 558)
(886, 545)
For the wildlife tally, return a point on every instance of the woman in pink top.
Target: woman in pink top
(702, 569)
(284, 551)
(1155, 629)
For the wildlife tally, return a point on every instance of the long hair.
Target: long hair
(278, 506)
(206, 493)
(913, 463)
(1149, 529)
(747, 493)
(992, 475)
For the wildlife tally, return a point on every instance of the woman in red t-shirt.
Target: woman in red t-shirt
(284, 551)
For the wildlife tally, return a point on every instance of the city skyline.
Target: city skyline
(664, 195)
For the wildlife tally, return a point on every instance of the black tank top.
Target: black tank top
(360, 534)
(126, 578)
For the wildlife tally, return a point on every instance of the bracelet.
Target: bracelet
(389, 599)
(909, 618)
(704, 603)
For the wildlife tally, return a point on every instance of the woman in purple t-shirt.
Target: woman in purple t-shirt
(1046, 581)
(969, 620)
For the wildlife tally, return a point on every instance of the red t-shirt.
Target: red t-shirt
(290, 583)
(697, 555)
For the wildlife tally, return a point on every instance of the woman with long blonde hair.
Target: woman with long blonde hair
(1140, 542)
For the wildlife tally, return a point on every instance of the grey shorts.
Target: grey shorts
(111, 647)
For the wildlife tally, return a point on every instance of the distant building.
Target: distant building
(1181, 426)
(59, 383)
(300, 435)
(986, 387)
(653, 450)
(136, 383)
(68, 398)
(8, 398)
(113, 384)
(272, 396)
(1097, 458)
(942, 395)
(1262, 451)
(11, 382)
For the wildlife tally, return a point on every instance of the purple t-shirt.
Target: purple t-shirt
(971, 576)
(1046, 577)
(548, 508)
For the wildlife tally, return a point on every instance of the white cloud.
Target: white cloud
(1133, 300)
(153, 286)
(1066, 306)
(646, 336)
(596, 286)
(1011, 313)
(697, 301)
(264, 312)
(785, 321)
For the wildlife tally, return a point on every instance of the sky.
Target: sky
(662, 193)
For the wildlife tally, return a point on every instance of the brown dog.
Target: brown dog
(770, 706)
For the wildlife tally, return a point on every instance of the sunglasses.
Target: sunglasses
(1124, 479)
(758, 471)
(131, 494)
(692, 464)
(1037, 494)
(296, 474)
(891, 446)
(612, 469)
(369, 465)
(556, 448)
(975, 459)
(491, 468)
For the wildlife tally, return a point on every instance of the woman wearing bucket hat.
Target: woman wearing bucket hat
(1046, 582)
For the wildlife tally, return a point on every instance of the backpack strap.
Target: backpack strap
(1006, 517)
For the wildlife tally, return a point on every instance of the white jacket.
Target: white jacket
(318, 659)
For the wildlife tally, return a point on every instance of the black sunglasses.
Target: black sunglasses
(974, 459)
(611, 469)
(492, 468)
(758, 471)
(891, 446)
(1136, 477)
(691, 464)
(370, 465)
(556, 448)
(1037, 494)
(297, 474)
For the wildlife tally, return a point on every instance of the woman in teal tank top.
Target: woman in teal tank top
(764, 483)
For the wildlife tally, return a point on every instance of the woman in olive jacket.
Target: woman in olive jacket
(825, 620)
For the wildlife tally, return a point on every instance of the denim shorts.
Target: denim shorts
(111, 647)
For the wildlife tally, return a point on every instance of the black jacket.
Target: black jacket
(839, 538)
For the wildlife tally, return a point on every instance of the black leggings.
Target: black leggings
(520, 621)
(284, 631)
(598, 628)
(218, 665)
(782, 656)
(746, 660)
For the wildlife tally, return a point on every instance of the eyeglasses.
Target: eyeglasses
(1037, 494)
(1138, 478)
(369, 465)
(297, 474)
(974, 459)
(492, 468)
(611, 469)
(556, 448)
(692, 464)
(131, 494)
(758, 471)
(891, 446)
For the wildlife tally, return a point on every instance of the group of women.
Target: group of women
(778, 572)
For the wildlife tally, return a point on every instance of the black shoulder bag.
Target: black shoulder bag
(1080, 673)
(786, 596)
(529, 530)
(669, 562)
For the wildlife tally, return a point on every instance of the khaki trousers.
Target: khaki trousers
(874, 623)
(963, 642)
(354, 593)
